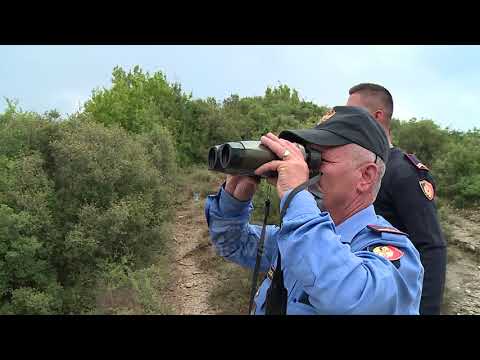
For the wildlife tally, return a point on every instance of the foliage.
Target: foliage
(74, 196)
(422, 137)
(452, 156)
(138, 101)
(458, 171)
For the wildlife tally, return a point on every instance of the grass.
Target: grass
(232, 296)
(134, 292)
(199, 180)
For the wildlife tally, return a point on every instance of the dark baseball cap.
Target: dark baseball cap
(344, 125)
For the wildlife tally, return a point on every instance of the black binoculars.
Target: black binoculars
(244, 157)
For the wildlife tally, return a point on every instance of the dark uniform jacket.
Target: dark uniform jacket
(406, 200)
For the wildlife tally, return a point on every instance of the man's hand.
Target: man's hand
(292, 169)
(241, 187)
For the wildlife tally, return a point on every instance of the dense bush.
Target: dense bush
(75, 196)
(452, 156)
(458, 171)
(421, 137)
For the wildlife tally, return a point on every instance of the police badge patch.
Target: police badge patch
(327, 116)
(389, 252)
(427, 189)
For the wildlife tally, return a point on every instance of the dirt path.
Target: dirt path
(191, 283)
(462, 291)
(466, 230)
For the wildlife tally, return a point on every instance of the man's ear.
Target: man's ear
(369, 174)
(379, 115)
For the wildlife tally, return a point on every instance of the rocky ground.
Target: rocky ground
(462, 293)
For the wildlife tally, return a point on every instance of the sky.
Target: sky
(441, 83)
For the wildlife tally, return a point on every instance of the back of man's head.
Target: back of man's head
(375, 97)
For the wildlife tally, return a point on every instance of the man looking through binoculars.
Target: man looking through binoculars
(340, 259)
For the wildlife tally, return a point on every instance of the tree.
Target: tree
(137, 100)
(422, 137)
(458, 170)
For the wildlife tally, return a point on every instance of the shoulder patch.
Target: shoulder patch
(389, 252)
(427, 189)
(391, 230)
(417, 163)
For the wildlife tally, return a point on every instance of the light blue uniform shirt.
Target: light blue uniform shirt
(327, 269)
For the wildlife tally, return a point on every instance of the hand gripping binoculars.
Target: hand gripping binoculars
(244, 157)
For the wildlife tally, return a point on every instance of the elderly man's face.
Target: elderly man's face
(340, 178)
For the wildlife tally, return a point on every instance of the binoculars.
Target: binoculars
(244, 157)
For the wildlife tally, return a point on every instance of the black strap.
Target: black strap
(277, 295)
(259, 255)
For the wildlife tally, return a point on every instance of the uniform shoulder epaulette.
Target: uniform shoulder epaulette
(417, 163)
(386, 229)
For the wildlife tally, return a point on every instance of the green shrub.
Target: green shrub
(127, 291)
(424, 138)
(457, 172)
(73, 198)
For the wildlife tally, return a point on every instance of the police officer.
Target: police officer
(406, 198)
(338, 259)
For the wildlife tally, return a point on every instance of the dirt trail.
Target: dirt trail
(466, 230)
(191, 283)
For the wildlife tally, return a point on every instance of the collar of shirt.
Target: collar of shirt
(356, 223)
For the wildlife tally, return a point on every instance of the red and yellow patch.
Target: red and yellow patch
(389, 252)
(427, 189)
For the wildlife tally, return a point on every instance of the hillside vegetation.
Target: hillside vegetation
(89, 202)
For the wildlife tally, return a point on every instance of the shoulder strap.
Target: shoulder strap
(386, 229)
(417, 163)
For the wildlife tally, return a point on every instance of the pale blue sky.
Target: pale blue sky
(435, 82)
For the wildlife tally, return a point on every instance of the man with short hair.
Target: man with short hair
(377, 100)
(340, 258)
(406, 198)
